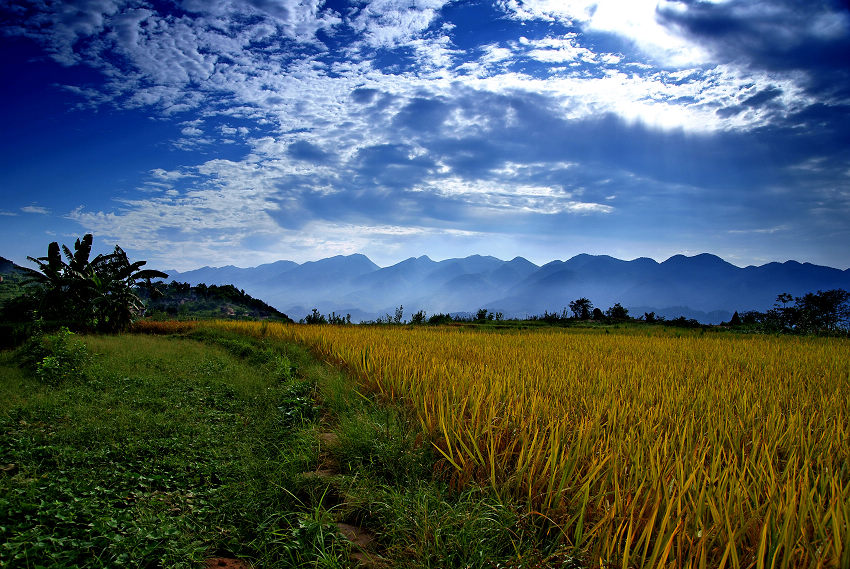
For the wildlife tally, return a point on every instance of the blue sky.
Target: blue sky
(214, 132)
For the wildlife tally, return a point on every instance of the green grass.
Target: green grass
(165, 451)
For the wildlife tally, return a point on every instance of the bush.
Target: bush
(440, 319)
(682, 322)
(418, 318)
(16, 320)
(315, 318)
(384, 444)
(618, 312)
(55, 358)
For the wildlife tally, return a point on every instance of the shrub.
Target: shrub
(418, 317)
(315, 318)
(617, 312)
(55, 358)
(440, 319)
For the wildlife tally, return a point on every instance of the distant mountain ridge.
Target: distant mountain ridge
(702, 286)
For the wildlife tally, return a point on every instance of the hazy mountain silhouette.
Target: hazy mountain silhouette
(230, 274)
(704, 286)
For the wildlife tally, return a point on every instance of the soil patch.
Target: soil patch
(226, 563)
(361, 542)
(328, 438)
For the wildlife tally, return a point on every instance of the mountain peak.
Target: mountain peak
(354, 259)
(521, 262)
(701, 259)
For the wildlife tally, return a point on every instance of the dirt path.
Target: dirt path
(362, 541)
(225, 563)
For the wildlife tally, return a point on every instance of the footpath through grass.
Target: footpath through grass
(160, 451)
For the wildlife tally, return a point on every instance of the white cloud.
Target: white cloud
(568, 10)
(634, 20)
(191, 131)
(761, 230)
(209, 62)
(384, 244)
(165, 52)
(511, 198)
(686, 100)
(234, 201)
(495, 54)
(386, 23)
(234, 131)
(149, 227)
(35, 209)
(434, 56)
(66, 23)
(168, 175)
(558, 50)
(299, 19)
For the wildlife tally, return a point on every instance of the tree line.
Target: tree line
(813, 313)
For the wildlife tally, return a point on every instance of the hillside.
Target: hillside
(181, 300)
(11, 279)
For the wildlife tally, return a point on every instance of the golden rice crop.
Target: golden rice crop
(650, 449)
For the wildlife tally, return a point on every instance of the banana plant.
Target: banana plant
(114, 281)
(91, 294)
(60, 288)
(51, 267)
(78, 261)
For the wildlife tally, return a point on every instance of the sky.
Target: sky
(216, 132)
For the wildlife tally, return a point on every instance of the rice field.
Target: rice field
(647, 448)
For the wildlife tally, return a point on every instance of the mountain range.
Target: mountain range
(704, 287)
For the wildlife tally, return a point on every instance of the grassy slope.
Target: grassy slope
(167, 451)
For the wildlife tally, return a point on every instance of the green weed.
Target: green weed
(383, 443)
(55, 358)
